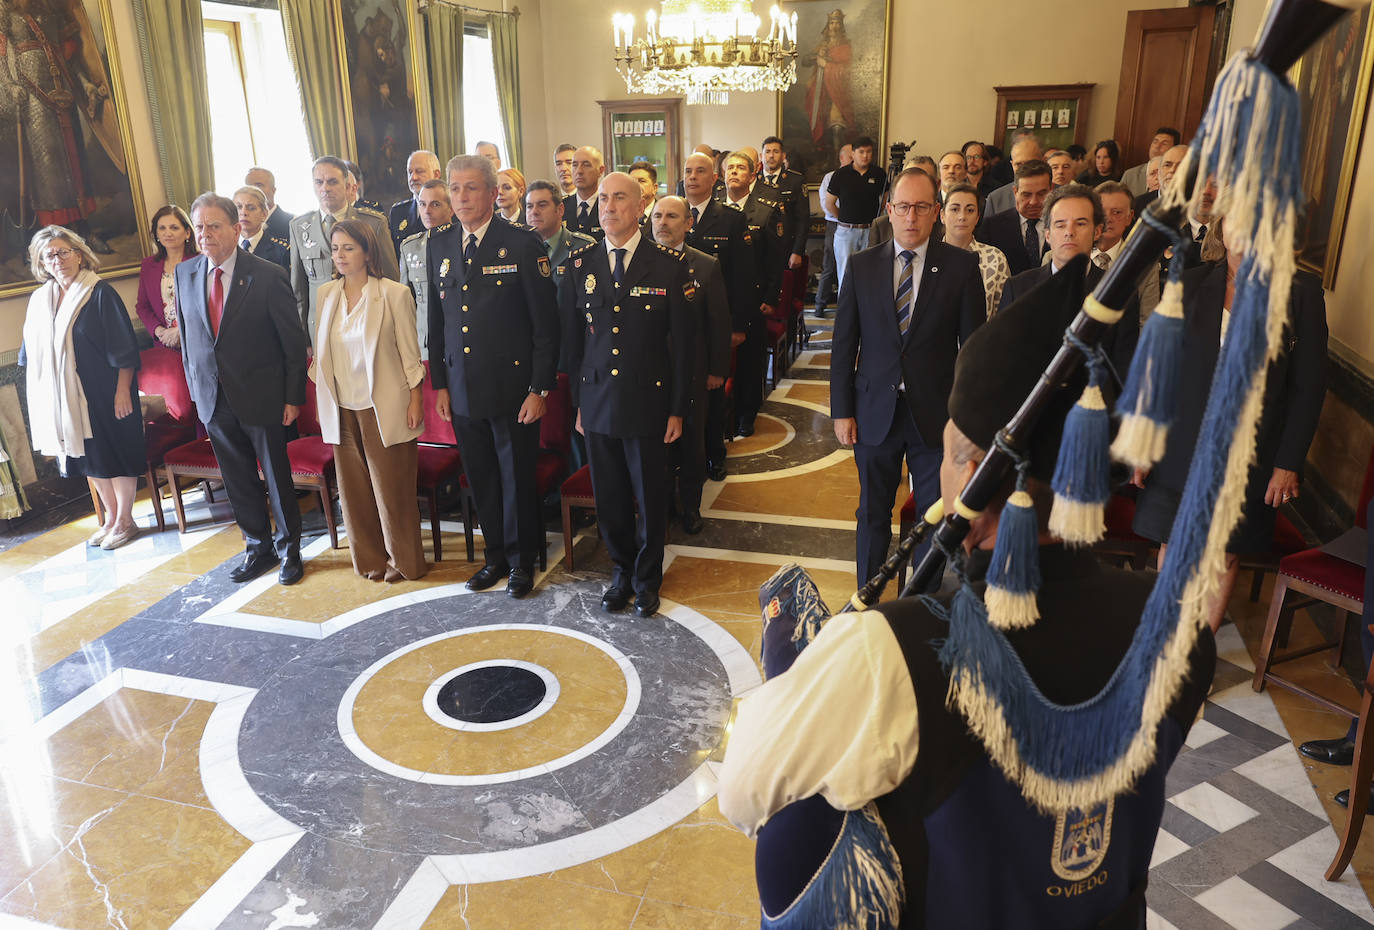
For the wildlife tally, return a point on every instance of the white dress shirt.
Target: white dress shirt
(480, 232)
(348, 346)
(630, 245)
(254, 239)
(225, 282)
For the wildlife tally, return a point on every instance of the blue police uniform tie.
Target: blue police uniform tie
(904, 293)
(1032, 243)
(470, 251)
(583, 213)
(618, 272)
(243, 244)
(696, 216)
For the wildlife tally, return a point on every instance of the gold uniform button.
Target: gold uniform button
(617, 309)
(615, 371)
(465, 329)
(615, 351)
(465, 308)
(658, 384)
(646, 307)
(498, 282)
(467, 350)
(465, 287)
(517, 363)
(589, 318)
(615, 329)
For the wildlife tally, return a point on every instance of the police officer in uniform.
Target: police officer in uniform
(630, 340)
(435, 211)
(671, 221)
(789, 192)
(359, 198)
(579, 207)
(311, 261)
(767, 233)
(544, 214)
(278, 221)
(493, 354)
(404, 216)
(723, 234)
(254, 235)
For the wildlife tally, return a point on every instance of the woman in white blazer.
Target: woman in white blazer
(367, 386)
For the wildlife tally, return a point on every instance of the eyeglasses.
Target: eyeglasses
(921, 208)
(57, 255)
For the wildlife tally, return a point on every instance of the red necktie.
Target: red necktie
(216, 302)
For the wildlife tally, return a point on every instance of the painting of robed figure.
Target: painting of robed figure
(377, 37)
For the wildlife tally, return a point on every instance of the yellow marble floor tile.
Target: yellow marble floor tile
(531, 902)
(223, 544)
(47, 819)
(56, 540)
(727, 590)
(815, 393)
(706, 864)
(830, 493)
(821, 358)
(769, 431)
(625, 872)
(659, 915)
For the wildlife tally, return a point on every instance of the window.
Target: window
(481, 106)
(251, 121)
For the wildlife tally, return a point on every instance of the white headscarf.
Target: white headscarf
(58, 414)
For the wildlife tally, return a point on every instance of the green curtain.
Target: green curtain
(444, 28)
(309, 26)
(178, 94)
(505, 54)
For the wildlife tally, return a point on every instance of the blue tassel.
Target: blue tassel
(1014, 575)
(1149, 400)
(858, 885)
(1082, 476)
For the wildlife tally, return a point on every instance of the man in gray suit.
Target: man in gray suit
(1025, 149)
(435, 210)
(311, 262)
(244, 351)
(671, 219)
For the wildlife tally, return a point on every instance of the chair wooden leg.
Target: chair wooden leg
(96, 502)
(176, 499)
(1256, 585)
(155, 494)
(329, 521)
(1271, 626)
(1361, 773)
(434, 529)
(567, 534)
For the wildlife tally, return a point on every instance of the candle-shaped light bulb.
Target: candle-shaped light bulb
(650, 21)
(629, 29)
(615, 30)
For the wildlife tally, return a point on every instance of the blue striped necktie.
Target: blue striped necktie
(904, 293)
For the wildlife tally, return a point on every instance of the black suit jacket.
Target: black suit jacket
(493, 326)
(592, 227)
(404, 221)
(631, 349)
(789, 190)
(1121, 339)
(713, 316)
(868, 357)
(768, 235)
(259, 356)
(274, 250)
(1006, 231)
(279, 224)
(724, 234)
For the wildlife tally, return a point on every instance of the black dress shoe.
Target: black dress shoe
(520, 582)
(616, 598)
(487, 576)
(292, 570)
(692, 522)
(1343, 799)
(254, 564)
(1331, 751)
(646, 603)
(715, 471)
(744, 428)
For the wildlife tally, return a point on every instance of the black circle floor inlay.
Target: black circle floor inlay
(491, 694)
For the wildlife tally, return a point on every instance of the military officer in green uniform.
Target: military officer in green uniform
(434, 211)
(544, 214)
(311, 262)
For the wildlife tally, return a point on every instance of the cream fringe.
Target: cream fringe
(1008, 611)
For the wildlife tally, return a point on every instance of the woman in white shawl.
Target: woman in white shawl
(81, 357)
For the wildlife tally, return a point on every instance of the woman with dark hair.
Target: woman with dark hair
(157, 307)
(1294, 392)
(1106, 164)
(81, 359)
(367, 388)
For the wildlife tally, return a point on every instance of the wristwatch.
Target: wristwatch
(540, 393)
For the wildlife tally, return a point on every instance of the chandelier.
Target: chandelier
(703, 49)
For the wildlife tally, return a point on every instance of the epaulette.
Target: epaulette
(369, 211)
(415, 236)
(576, 252)
(444, 228)
(673, 252)
(284, 243)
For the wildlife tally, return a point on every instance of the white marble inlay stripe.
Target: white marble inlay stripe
(1154, 922)
(1242, 905)
(1308, 860)
(416, 900)
(1166, 847)
(1201, 733)
(430, 701)
(1214, 807)
(789, 434)
(741, 668)
(763, 558)
(834, 458)
(1281, 771)
(1244, 701)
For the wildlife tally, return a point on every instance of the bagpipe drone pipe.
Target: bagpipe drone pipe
(1247, 148)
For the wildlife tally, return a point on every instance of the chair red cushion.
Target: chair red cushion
(909, 509)
(556, 425)
(436, 430)
(194, 454)
(1287, 538)
(1120, 515)
(1325, 571)
(548, 469)
(437, 464)
(161, 372)
(162, 435)
(579, 483)
(776, 329)
(310, 456)
(308, 419)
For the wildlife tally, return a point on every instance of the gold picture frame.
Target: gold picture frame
(866, 56)
(109, 193)
(1333, 83)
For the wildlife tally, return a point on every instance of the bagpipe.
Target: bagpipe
(1247, 149)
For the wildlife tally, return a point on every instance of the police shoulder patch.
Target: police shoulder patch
(544, 268)
(368, 211)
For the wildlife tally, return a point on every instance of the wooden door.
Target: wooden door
(1165, 69)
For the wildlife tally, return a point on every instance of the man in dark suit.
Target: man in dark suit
(789, 192)
(404, 216)
(904, 310)
(711, 354)
(768, 235)
(243, 347)
(1019, 232)
(278, 220)
(1168, 164)
(493, 355)
(1074, 216)
(579, 207)
(723, 234)
(254, 237)
(631, 375)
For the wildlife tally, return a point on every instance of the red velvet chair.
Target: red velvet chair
(438, 463)
(1121, 543)
(312, 461)
(1316, 578)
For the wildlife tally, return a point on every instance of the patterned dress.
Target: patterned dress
(995, 270)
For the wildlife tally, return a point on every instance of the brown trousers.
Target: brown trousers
(377, 490)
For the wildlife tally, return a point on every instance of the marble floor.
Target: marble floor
(180, 751)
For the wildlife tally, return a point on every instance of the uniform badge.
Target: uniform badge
(501, 252)
(404, 223)
(544, 268)
(1081, 839)
(690, 290)
(577, 263)
(779, 230)
(443, 268)
(591, 283)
